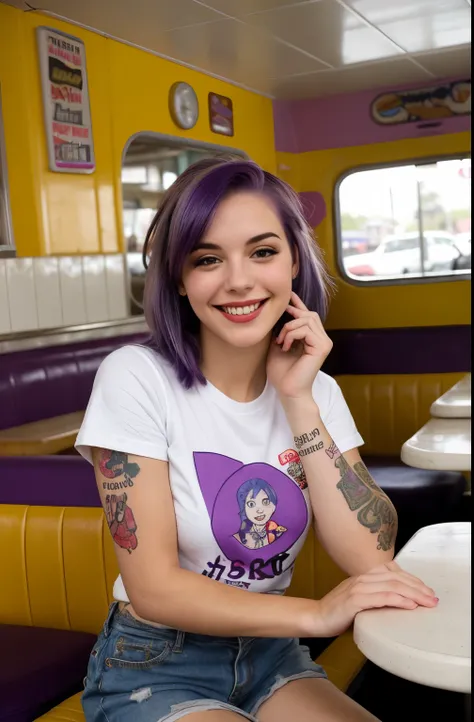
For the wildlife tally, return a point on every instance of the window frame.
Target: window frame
(387, 281)
(7, 250)
(165, 139)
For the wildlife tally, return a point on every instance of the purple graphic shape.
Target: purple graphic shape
(314, 207)
(212, 470)
(220, 477)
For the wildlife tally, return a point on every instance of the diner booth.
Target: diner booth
(72, 228)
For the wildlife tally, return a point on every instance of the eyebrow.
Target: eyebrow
(251, 241)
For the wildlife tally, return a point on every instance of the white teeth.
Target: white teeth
(241, 310)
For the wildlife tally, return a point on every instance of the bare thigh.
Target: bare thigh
(213, 716)
(312, 700)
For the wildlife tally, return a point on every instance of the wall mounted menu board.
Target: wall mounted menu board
(66, 102)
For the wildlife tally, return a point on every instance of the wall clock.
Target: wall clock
(184, 105)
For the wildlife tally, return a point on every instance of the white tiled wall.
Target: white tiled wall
(95, 288)
(72, 290)
(21, 294)
(48, 292)
(40, 293)
(5, 323)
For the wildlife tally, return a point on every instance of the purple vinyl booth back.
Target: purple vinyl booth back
(42, 383)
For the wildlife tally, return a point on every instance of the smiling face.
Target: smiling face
(259, 508)
(239, 278)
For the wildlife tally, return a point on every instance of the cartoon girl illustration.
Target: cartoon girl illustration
(257, 503)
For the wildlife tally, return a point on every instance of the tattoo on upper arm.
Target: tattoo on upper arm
(115, 464)
(120, 518)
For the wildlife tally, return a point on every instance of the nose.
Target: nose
(240, 276)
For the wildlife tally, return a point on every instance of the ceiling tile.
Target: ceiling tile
(447, 63)
(136, 22)
(244, 54)
(417, 25)
(349, 80)
(208, 47)
(328, 31)
(241, 8)
(21, 4)
(291, 47)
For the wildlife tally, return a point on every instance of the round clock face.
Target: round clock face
(184, 106)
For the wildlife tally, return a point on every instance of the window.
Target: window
(151, 164)
(6, 236)
(405, 221)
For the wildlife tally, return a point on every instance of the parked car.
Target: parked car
(400, 254)
(463, 242)
(354, 242)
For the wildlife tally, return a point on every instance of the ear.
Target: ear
(181, 290)
(296, 263)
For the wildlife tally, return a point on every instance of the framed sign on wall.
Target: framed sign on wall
(425, 104)
(66, 102)
(221, 114)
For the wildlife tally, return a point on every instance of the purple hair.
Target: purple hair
(186, 212)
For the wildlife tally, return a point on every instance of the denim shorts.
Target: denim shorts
(147, 674)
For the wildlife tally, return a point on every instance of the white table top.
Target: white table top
(455, 403)
(428, 646)
(443, 444)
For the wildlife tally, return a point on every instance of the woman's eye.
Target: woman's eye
(206, 261)
(264, 252)
(266, 502)
(250, 504)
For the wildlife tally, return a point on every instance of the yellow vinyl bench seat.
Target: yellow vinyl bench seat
(71, 548)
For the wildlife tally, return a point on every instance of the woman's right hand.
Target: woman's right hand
(384, 586)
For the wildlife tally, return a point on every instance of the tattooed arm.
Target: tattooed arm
(138, 504)
(354, 519)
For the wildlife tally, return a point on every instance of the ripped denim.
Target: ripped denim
(146, 674)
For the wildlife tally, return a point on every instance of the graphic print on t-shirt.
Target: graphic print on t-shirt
(257, 514)
(295, 467)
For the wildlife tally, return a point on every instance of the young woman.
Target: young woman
(192, 440)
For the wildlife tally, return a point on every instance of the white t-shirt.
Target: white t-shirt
(240, 495)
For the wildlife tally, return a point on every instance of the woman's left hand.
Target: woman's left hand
(298, 352)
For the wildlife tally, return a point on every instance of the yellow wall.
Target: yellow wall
(57, 213)
(419, 304)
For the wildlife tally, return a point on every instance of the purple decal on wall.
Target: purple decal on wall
(256, 510)
(314, 207)
(339, 121)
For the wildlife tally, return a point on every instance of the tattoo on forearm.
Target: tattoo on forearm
(300, 441)
(355, 491)
(375, 510)
(120, 518)
(332, 451)
(304, 439)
